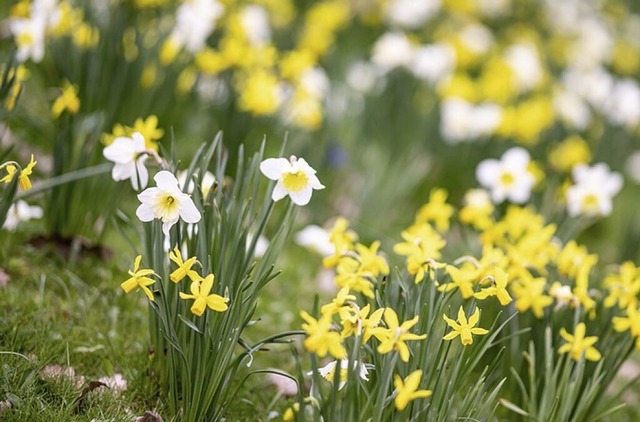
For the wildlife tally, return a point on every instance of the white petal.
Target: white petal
(301, 197)
(148, 195)
(138, 142)
(516, 158)
(120, 151)
(279, 192)
(166, 226)
(487, 172)
(121, 171)
(273, 168)
(166, 181)
(314, 182)
(143, 174)
(145, 213)
(188, 211)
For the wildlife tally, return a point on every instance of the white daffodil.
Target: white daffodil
(507, 178)
(19, 212)
(129, 156)
(29, 35)
(295, 178)
(315, 238)
(593, 190)
(328, 371)
(166, 202)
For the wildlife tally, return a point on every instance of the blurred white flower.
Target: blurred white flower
(493, 8)
(507, 178)
(315, 238)
(315, 82)
(524, 60)
(622, 106)
(20, 211)
(594, 85)
(328, 371)
(364, 77)
(255, 22)
(166, 202)
(562, 293)
(433, 62)
(572, 109)
(29, 37)
(261, 245)
(411, 13)
(593, 43)
(117, 383)
(294, 178)
(392, 50)
(462, 121)
(632, 166)
(477, 198)
(129, 156)
(477, 38)
(195, 21)
(593, 190)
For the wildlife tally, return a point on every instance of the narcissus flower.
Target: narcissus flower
(321, 339)
(508, 178)
(23, 178)
(577, 344)
(139, 278)
(203, 298)
(184, 267)
(68, 100)
(20, 211)
(295, 178)
(464, 328)
(397, 334)
(407, 389)
(594, 190)
(166, 202)
(328, 371)
(129, 156)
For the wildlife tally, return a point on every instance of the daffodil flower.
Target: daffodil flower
(184, 267)
(23, 178)
(499, 289)
(464, 328)
(139, 279)
(295, 178)
(397, 334)
(203, 298)
(407, 389)
(328, 371)
(68, 100)
(321, 339)
(129, 156)
(166, 202)
(508, 178)
(577, 344)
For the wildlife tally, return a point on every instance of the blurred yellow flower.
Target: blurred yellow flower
(464, 328)
(573, 150)
(321, 339)
(577, 344)
(407, 390)
(203, 298)
(67, 101)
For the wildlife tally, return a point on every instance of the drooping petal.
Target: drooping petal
(145, 213)
(142, 174)
(217, 303)
(188, 210)
(301, 197)
(120, 151)
(279, 192)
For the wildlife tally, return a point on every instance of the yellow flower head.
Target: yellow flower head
(23, 178)
(396, 335)
(577, 344)
(321, 339)
(203, 298)
(464, 328)
(139, 279)
(184, 267)
(407, 389)
(67, 101)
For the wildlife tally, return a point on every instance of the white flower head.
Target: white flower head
(295, 178)
(262, 244)
(20, 211)
(593, 190)
(328, 371)
(29, 35)
(129, 156)
(315, 238)
(434, 62)
(477, 198)
(507, 178)
(166, 202)
(208, 181)
(411, 13)
(392, 50)
(195, 21)
(255, 22)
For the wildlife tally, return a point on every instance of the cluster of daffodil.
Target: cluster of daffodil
(516, 264)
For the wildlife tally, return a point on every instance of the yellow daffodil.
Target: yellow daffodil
(361, 323)
(629, 323)
(321, 339)
(340, 304)
(624, 287)
(139, 278)
(149, 129)
(529, 293)
(436, 210)
(461, 279)
(349, 273)
(396, 335)
(184, 267)
(464, 328)
(203, 298)
(577, 344)
(407, 390)
(67, 101)
(23, 178)
(498, 289)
